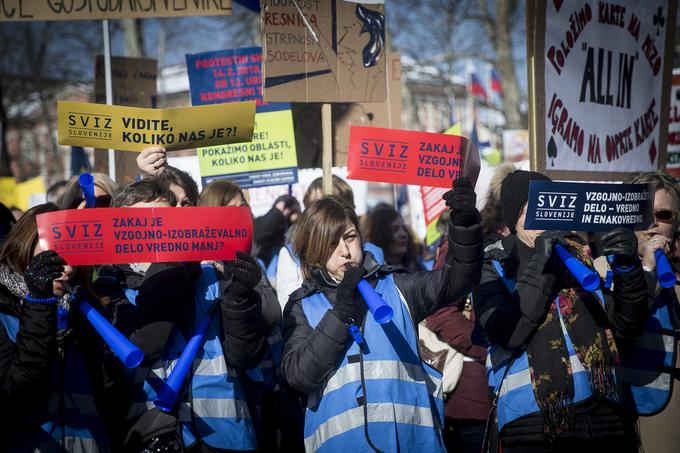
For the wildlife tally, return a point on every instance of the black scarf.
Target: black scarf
(585, 322)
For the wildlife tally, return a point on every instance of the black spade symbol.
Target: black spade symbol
(658, 19)
(552, 151)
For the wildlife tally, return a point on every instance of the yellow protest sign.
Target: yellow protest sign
(134, 128)
(250, 164)
(25, 10)
(24, 190)
(7, 184)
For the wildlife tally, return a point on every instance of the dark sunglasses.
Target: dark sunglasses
(664, 215)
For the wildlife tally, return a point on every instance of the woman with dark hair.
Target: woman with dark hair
(48, 404)
(366, 385)
(385, 228)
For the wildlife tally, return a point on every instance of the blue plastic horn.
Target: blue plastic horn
(173, 384)
(86, 181)
(381, 311)
(124, 349)
(664, 272)
(588, 279)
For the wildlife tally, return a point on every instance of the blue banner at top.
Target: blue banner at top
(574, 206)
(227, 76)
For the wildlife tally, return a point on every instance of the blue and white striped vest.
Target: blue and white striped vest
(215, 411)
(646, 361)
(511, 378)
(401, 408)
(73, 423)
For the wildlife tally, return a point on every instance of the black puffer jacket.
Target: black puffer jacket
(511, 321)
(310, 355)
(25, 365)
(165, 300)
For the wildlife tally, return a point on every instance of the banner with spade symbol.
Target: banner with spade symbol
(599, 88)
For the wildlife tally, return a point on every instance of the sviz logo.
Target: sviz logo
(393, 150)
(81, 230)
(89, 121)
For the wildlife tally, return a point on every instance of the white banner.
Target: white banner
(604, 65)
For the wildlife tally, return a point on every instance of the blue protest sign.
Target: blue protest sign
(236, 75)
(588, 206)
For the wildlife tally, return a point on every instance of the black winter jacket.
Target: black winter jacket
(310, 355)
(511, 321)
(25, 365)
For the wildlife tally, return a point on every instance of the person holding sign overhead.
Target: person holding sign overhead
(366, 385)
(552, 343)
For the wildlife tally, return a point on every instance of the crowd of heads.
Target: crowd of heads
(338, 232)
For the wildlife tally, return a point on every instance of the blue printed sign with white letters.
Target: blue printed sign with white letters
(574, 206)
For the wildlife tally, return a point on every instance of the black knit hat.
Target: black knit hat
(515, 192)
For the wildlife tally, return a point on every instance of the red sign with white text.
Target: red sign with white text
(146, 235)
(409, 157)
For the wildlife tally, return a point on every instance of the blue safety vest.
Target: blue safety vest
(402, 403)
(216, 412)
(73, 423)
(510, 374)
(647, 359)
(270, 270)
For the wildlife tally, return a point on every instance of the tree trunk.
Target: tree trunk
(134, 37)
(502, 41)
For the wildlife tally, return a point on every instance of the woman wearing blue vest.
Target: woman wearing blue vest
(367, 388)
(46, 392)
(553, 350)
(651, 362)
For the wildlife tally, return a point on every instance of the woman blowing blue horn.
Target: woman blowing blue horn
(367, 388)
(650, 361)
(552, 342)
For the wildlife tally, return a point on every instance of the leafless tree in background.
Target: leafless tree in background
(446, 32)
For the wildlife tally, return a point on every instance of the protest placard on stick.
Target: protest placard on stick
(599, 80)
(235, 75)
(133, 129)
(146, 235)
(318, 51)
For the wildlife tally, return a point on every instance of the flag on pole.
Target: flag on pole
(476, 87)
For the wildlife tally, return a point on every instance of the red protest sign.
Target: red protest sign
(409, 157)
(144, 235)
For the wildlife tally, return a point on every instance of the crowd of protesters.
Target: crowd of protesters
(293, 361)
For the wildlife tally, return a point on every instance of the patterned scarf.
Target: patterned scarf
(549, 364)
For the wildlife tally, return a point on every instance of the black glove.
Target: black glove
(461, 201)
(623, 244)
(246, 274)
(42, 270)
(545, 246)
(109, 280)
(348, 305)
